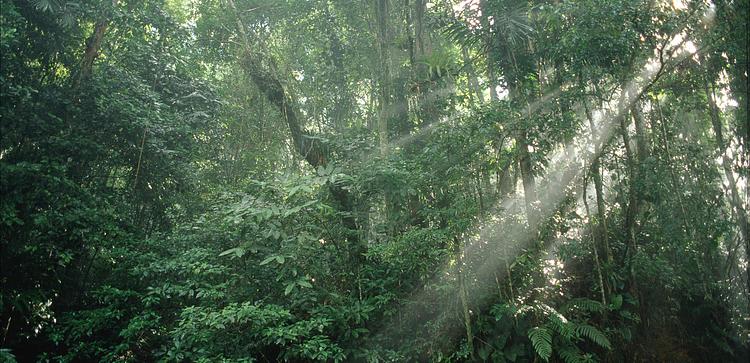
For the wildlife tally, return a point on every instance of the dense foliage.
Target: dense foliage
(336, 180)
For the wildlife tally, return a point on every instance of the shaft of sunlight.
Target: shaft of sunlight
(494, 242)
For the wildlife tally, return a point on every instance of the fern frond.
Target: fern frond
(45, 5)
(541, 339)
(585, 305)
(570, 354)
(594, 334)
(561, 325)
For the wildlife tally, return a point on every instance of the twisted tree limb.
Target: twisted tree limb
(262, 70)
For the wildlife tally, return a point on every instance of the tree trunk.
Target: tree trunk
(93, 44)
(735, 200)
(341, 106)
(527, 177)
(464, 297)
(631, 211)
(632, 207)
(506, 180)
(522, 143)
(382, 10)
(491, 51)
(421, 49)
(642, 142)
(673, 176)
(471, 74)
(601, 224)
(261, 71)
(92, 51)
(595, 247)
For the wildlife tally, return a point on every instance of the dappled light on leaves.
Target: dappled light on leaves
(379, 181)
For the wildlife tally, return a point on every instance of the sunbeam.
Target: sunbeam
(374, 181)
(489, 248)
(401, 142)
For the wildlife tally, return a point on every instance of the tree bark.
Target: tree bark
(382, 10)
(419, 7)
(464, 297)
(341, 105)
(262, 71)
(527, 177)
(491, 56)
(506, 181)
(471, 74)
(632, 207)
(595, 247)
(642, 142)
(735, 200)
(93, 44)
(522, 143)
(601, 224)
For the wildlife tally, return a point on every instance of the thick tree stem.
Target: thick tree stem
(382, 10)
(93, 44)
(527, 178)
(341, 105)
(262, 70)
(595, 248)
(464, 297)
(599, 189)
(491, 51)
(471, 74)
(735, 200)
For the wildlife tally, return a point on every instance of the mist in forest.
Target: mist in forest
(374, 181)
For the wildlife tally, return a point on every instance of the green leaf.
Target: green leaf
(594, 334)
(289, 288)
(570, 354)
(267, 260)
(484, 353)
(43, 5)
(541, 339)
(562, 325)
(237, 251)
(616, 303)
(289, 212)
(293, 190)
(586, 305)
